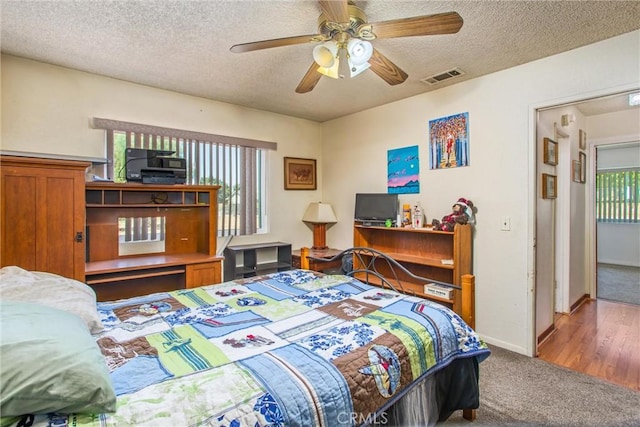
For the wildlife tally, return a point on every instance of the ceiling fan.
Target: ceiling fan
(343, 30)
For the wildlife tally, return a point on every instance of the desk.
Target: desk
(318, 265)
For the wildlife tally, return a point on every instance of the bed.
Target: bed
(292, 348)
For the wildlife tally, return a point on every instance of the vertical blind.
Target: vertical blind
(235, 164)
(618, 196)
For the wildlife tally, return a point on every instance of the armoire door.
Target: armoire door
(43, 215)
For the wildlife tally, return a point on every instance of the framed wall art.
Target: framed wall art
(403, 171)
(576, 171)
(550, 156)
(299, 174)
(583, 167)
(549, 186)
(582, 135)
(449, 142)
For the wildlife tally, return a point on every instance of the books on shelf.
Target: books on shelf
(438, 290)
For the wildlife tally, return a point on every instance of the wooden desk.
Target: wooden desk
(318, 265)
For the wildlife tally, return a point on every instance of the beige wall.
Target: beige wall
(500, 179)
(47, 109)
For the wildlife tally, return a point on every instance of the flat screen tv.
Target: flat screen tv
(376, 208)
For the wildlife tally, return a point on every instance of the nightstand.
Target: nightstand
(325, 267)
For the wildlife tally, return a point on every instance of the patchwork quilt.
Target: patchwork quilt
(295, 348)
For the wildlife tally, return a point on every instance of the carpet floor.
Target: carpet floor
(619, 283)
(517, 390)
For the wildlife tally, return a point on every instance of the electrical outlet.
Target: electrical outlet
(506, 223)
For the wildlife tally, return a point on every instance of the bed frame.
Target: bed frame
(369, 265)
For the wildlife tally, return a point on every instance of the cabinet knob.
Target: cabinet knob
(78, 237)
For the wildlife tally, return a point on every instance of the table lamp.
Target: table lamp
(319, 214)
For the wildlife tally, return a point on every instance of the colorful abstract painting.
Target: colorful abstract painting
(403, 171)
(449, 142)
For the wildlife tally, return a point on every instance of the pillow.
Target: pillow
(53, 290)
(50, 363)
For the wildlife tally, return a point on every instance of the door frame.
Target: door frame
(533, 200)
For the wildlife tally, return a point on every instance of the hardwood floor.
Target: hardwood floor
(601, 339)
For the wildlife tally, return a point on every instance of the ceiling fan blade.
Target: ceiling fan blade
(386, 69)
(310, 80)
(428, 25)
(267, 44)
(335, 10)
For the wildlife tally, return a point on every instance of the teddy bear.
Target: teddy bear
(462, 214)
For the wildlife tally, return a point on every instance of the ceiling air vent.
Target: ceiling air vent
(443, 76)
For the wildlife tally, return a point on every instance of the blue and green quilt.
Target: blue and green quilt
(295, 348)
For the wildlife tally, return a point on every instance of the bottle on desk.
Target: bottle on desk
(417, 216)
(406, 215)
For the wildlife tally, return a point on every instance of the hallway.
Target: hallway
(602, 339)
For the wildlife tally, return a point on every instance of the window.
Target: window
(618, 196)
(237, 165)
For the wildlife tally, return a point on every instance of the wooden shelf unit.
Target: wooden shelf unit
(189, 257)
(241, 261)
(422, 251)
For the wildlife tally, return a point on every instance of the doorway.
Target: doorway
(565, 237)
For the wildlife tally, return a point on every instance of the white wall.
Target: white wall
(501, 177)
(566, 220)
(47, 109)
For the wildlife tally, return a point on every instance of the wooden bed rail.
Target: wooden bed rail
(398, 278)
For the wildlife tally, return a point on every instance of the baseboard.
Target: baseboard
(505, 345)
(618, 262)
(578, 303)
(546, 333)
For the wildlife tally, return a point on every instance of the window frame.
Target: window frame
(250, 156)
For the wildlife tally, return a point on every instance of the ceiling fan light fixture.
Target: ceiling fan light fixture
(354, 69)
(326, 54)
(333, 71)
(359, 51)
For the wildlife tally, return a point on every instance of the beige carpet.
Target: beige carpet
(619, 283)
(517, 390)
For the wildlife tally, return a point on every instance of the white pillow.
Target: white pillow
(17, 284)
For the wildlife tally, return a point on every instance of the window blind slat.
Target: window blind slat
(618, 196)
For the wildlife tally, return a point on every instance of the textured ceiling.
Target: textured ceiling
(184, 45)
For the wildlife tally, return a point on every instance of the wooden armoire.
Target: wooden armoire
(42, 215)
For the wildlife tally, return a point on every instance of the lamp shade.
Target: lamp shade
(319, 213)
(325, 54)
(359, 51)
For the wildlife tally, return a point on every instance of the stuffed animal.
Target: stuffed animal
(462, 214)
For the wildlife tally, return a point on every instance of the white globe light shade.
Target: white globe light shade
(360, 51)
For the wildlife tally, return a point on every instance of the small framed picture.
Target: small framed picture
(549, 186)
(576, 171)
(550, 156)
(583, 167)
(299, 174)
(582, 138)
